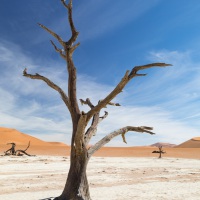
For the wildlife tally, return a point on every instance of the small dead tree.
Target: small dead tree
(160, 151)
(18, 152)
(10, 151)
(76, 187)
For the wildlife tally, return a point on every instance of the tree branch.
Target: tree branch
(69, 49)
(66, 5)
(122, 131)
(74, 47)
(73, 29)
(51, 84)
(142, 67)
(113, 104)
(127, 77)
(104, 116)
(58, 50)
(17, 152)
(53, 34)
(91, 131)
(87, 102)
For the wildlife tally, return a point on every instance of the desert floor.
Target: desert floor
(110, 178)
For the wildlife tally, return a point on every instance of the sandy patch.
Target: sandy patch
(35, 178)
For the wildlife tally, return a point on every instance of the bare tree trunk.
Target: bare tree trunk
(76, 187)
(160, 152)
(160, 156)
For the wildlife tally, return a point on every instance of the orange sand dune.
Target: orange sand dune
(57, 143)
(8, 135)
(37, 146)
(192, 143)
(196, 138)
(193, 153)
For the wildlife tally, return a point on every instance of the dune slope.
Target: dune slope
(192, 143)
(8, 135)
(37, 146)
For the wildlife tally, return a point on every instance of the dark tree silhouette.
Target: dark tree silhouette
(11, 151)
(76, 187)
(160, 151)
(18, 152)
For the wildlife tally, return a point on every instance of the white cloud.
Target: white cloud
(164, 102)
(167, 128)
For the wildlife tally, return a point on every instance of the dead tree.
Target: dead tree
(160, 151)
(11, 151)
(18, 152)
(76, 187)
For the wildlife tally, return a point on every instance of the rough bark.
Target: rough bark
(77, 187)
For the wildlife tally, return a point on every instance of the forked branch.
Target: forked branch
(87, 102)
(53, 34)
(73, 48)
(122, 131)
(91, 131)
(69, 49)
(73, 29)
(142, 67)
(127, 77)
(104, 116)
(66, 5)
(58, 50)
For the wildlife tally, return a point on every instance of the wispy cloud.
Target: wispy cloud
(163, 100)
(102, 18)
(109, 15)
(167, 99)
(166, 127)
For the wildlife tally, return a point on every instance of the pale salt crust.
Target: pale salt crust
(36, 178)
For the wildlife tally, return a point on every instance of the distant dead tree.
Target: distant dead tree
(160, 151)
(76, 187)
(14, 152)
(10, 151)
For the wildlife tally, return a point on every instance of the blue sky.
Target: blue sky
(115, 36)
